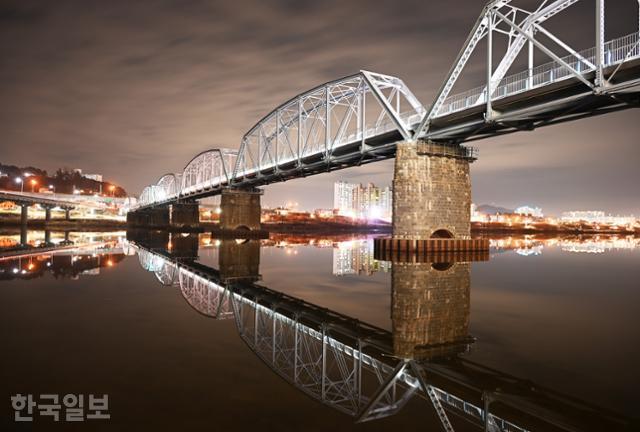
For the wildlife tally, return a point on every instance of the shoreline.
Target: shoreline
(301, 228)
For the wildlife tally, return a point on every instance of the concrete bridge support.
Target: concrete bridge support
(155, 217)
(431, 192)
(158, 216)
(24, 214)
(47, 214)
(240, 209)
(430, 308)
(67, 214)
(184, 215)
(23, 235)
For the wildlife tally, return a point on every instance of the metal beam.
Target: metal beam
(386, 105)
(546, 50)
(600, 43)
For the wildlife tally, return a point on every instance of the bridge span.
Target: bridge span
(368, 116)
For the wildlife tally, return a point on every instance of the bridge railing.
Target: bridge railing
(616, 51)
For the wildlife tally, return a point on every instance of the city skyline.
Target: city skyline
(138, 92)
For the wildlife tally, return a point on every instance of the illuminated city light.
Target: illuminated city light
(368, 202)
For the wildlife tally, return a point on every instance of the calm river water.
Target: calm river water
(548, 330)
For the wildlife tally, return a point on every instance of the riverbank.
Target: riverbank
(477, 229)
(486, 228)
(66, 225)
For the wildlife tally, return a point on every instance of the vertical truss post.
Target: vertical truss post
(363, 117)
(277, 134)
(359, 372)
(327, 130)
(260, 151)
(530, 65)
(324, 361)
(359, 115)
(599, 42)
(295, 351)
(299, 130)
(486, 399)
(255, 323)
(489, 90)
(273, 337)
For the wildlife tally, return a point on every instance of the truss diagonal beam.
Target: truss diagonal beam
(546, 50)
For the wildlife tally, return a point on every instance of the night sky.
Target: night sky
(133, 90)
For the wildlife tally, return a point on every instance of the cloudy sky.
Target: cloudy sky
(133, 90)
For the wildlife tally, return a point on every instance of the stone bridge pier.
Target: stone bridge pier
(240, 209)
(154, 217)
(432, 199)
(184, 215)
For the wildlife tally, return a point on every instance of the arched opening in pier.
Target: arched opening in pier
(443, 266)
(442, 234)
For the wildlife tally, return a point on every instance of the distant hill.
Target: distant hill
(63, 181)
(491, 209)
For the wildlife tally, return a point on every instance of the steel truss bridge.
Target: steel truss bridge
(349, 365)
(359, 118)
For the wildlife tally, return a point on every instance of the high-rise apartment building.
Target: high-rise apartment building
(363, 201)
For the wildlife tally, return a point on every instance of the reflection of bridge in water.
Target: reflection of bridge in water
(362, 370)
(62, 260)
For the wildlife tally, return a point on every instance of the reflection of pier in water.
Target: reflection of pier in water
(365, 371)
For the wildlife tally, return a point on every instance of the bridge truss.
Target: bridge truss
(359, 118)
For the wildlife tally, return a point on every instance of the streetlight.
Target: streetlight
(112, 188)
(19, 180)
(33, 182)
(53, 188)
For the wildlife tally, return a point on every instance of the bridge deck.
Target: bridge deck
(29, 199)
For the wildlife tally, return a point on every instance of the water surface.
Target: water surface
(107, 315)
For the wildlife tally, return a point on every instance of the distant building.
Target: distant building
(529, 211)
(590, 216)
(343, 198)
(363, 201)
(597, 217)
(96, 177)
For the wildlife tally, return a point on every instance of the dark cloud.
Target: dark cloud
(135, 89)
